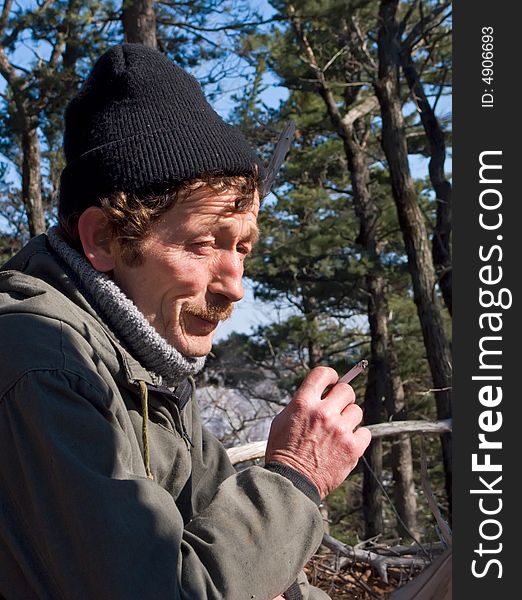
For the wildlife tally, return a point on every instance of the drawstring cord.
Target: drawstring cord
(192, 382)
(144, 396)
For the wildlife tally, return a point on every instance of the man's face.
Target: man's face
(192, 269)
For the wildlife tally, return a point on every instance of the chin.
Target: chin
(196, 353)
(194, 348)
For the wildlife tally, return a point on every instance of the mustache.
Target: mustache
(211, 311)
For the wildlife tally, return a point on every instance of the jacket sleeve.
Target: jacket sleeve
(215, 466)
(302, 590)
(84, 525)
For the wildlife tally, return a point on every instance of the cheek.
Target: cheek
(186, 278)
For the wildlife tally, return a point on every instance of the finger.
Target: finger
(363, 436)
(316, 381)
(329, 388)
(352, 416)
(339, 397)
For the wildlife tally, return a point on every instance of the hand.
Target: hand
(316, 435)
(279, 598)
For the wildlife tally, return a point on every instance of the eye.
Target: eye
(243, 249)
(200, 246)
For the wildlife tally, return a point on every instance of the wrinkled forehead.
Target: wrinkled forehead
(206, 200)
(205, 210)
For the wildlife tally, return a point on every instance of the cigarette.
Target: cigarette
(353, 372)
(347, 377)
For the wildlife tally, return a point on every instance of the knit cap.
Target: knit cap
(140, 122)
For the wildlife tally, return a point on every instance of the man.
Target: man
(109, 485)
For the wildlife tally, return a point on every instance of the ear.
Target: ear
(95, 235)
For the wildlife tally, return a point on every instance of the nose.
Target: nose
(227, 276)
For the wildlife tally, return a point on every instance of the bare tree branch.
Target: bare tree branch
(5, 16)
(378, 561)
(9, 39)
(256, 450)
(424, 25)
(228, 27)
(366, 106)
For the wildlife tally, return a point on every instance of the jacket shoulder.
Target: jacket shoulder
(32, 342)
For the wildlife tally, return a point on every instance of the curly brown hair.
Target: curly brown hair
(131, 215)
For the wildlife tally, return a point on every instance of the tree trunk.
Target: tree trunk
(26, 127)
(441, 242)
(366, 211)
(26, 107)
(32, 182)
(401, 455)
(310, 313)
(377, 308)
(404, 494)
(375, 284)
(372, 493)
(373, 402)
(139, 22)
(411, 221)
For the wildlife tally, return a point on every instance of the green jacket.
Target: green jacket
(79, 518)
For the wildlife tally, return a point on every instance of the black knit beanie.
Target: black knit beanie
(140, 122)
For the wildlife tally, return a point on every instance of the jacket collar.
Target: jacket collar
(47, 276)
